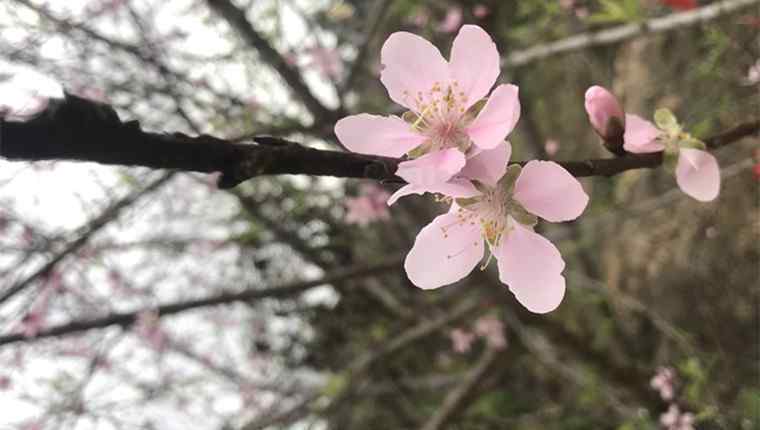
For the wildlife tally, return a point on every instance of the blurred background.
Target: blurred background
(659, 327)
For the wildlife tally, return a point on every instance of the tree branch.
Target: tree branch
(236, 18)
(456, 400)
(625, 32)
(88, 230)
(128, 318)
(75, 128)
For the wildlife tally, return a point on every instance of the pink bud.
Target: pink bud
(605, 113)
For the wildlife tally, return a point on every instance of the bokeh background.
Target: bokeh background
(662, 302)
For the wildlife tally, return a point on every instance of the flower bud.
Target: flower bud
(606, 116)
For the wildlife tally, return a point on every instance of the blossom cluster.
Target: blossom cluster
(453, 140)
(664, 381)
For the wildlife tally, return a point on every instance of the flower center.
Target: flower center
(440, 114)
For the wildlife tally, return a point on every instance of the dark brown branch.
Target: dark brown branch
(126, 319)
(79, 129)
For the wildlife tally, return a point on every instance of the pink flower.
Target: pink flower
(551, 147)
(461, 340)
(452, 21)
(673, 419)
(664, 382)
(604, 113)
(148, 328)
(368, 207)
(492, 330)
(697, 172)
(444, 128)
(501, 211)
(5, 382)
(327, 61)
(480, 11)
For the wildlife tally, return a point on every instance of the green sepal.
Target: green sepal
(521, 215)
(692, 143)
(467, 201)
(507, 182)
(670, 160)
(418, 151)
(666, 121)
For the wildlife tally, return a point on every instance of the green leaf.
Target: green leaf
(666, 121)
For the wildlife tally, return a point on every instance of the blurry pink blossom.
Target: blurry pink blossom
(369, 206)
(326, 61)
(480, 11)
(604, 113)
(753, 74)
(501, 212)
(551, 147)
(5, 382)
(452, 21)
(33, 322)
(492, 329)
(24, 95)
(673, 419)
(420, 18)
(148, 327)
(461, 340)
(444, 130)
(103, 7)
(664, 382)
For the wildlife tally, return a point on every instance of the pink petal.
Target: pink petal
(698, 174)
(454, 188)
(640, 135)
(412, 66)
(532, 268)
(497, 119)
(433, 168)
(440, 258)
(474, 63)
(546, 189)
(377, 135)
(488, 166)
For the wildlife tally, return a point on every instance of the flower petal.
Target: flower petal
(433, 168)
(412, 66)
(474, 63)
(698, 174)
(546, 189)
(445, 251)
(377, 135)
(455, 188)
(640, 135)
(497, 119)
(532, 268)
(488, 166)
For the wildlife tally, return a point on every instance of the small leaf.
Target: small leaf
(666, 121)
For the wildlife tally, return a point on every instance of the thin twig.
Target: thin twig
(126, 319)
(625, 32)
